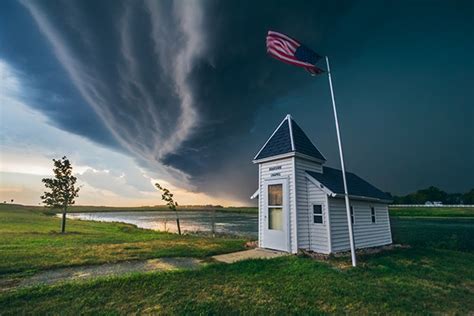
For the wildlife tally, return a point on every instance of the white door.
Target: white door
(275, 214)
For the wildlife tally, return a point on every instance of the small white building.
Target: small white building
(301, 201)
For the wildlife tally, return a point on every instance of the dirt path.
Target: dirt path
(109, 269)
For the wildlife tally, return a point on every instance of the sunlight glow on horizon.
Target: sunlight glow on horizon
(29, 142)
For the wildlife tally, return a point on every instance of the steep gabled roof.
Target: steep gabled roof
(332, 179)
(303, 144)
(288, 137)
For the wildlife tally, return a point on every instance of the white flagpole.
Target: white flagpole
(346, 194)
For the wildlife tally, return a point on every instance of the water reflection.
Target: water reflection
(219, 222)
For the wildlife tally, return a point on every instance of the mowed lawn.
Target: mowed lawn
(435, 275)
(30, 241)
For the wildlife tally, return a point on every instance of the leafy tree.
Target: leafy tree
(468, 197)
(454, 198)
(167, 196)
(62, 190)
(434, 194)
(431, 194)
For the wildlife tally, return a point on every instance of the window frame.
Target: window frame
(281, 206)
(314, 215)
(352, 215)
(373, 215)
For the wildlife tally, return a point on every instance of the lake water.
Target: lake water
(240, 224)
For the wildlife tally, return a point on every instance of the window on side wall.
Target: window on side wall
(352, 214)
(372, 214)
(317, 214)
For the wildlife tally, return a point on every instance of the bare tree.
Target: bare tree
(62, 190)
(167, 196)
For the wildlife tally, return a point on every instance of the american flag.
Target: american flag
(292, 52)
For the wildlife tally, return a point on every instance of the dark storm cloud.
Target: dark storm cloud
(49, 90)
(129, 62)
(237, 81)
(188, 84)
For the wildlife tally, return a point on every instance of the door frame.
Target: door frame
(267, 233)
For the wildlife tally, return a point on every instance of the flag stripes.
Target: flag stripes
(288, 50)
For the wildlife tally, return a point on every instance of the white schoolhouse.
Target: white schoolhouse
(301, 201)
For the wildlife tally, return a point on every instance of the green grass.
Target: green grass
(405, 281)
(29, 241)
(432, 211)
(435, 233)
(434, 276)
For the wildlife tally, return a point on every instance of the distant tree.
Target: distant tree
(167, 196)
(62, 190)
(468, 197)
(434, 194)
(431, 194)
(454, 198)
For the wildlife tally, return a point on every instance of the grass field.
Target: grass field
(435, 275)
(394, 211)
(432, 211)
(434, 233)
(29, 241)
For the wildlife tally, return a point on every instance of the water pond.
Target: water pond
(239, 224)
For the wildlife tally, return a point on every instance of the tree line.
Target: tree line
(432, 194)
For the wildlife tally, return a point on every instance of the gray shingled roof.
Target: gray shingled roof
(303, 144)
(280, 142)
(332, 179)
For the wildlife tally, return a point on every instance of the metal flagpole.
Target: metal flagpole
(346, 195)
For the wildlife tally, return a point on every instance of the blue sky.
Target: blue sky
(183, 93)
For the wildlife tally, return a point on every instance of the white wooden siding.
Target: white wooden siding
(266, 174)
(366, 233)
(317, 233)
(310, 236)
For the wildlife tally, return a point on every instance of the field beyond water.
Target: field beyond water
(156, 208)
(434, 275)
(432, 211)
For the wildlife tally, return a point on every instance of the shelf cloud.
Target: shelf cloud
(186, 89)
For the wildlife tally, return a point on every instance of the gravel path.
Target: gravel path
(109, 269)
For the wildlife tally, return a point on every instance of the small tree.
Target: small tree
(167, 196)
(62, 190)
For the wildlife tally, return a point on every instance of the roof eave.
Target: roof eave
(281, 156)
(311, 158)
(287, 155)
(256, 194)
(318, 184)
(364, 198)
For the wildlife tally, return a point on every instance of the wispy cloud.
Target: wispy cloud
(181, 57)
(147, 123)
